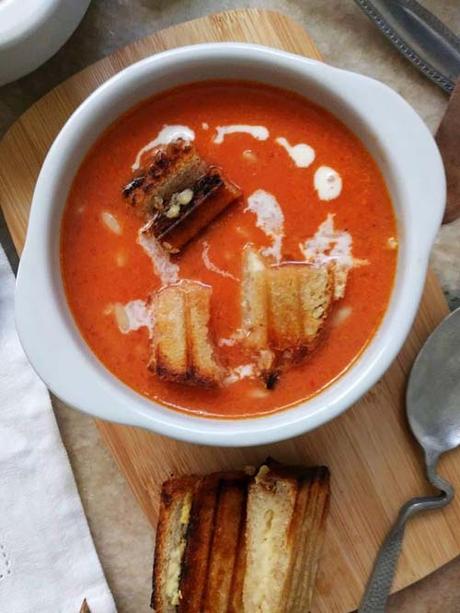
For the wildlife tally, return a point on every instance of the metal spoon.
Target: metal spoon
(433, 411)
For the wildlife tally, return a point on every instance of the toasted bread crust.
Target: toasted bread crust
(300, 297)
(203, 363)
(270, 508)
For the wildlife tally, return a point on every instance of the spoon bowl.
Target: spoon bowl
(433, 393)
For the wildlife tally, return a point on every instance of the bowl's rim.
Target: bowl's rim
(43, 27)
(89, 387)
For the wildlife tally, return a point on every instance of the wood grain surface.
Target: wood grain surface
(374, 463)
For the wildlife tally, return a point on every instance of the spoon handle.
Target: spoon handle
(381, 579)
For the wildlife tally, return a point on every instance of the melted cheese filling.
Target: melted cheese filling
(174, 567)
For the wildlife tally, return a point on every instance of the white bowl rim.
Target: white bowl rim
(74, 374)
(31, 31)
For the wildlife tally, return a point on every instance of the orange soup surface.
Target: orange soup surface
(274, 143)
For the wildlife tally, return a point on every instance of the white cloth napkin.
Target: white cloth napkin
(48, 563)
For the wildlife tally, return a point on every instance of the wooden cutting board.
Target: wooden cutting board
(374, 462)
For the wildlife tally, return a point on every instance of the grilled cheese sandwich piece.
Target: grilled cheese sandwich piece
(193, 209)
(179, 194)
(299, 301)
(200, 525)
(174, 517)
(182, 350)
(283, 307)
(271, 503)
(231, 543)
(285, 528)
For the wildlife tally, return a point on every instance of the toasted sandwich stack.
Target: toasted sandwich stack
(240, 543)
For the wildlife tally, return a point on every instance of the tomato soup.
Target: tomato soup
(310, 190)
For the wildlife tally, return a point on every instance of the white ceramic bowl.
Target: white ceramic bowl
(390, 129)
(31, 31)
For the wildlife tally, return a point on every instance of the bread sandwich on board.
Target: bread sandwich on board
(240, 543)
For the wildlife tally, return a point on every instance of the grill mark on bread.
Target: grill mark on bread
(198, 548)
(235, 604)
(220, 566)
(178, 193)
(228, 528)
(204, 186)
